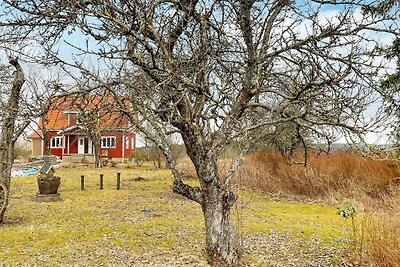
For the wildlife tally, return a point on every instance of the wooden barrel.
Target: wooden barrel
(49, 185)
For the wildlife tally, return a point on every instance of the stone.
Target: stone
(48, 198)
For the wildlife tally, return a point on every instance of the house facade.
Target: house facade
(69, 123)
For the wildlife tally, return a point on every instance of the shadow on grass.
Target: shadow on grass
(13, 221)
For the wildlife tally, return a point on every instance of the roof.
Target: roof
(91, 109)
(70, 129)
(46, 168)
(35, 135)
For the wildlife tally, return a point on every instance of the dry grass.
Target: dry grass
(382, 241)
(338, 175)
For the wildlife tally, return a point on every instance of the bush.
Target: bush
(136, 157)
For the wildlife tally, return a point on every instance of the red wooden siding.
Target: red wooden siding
(116, 152)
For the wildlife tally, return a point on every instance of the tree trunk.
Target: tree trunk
(7, 138)
(158, 155)
(6, 159)
(4, 193)
(95, 135)
(45, 138)
(216, 200)
(97, 156)
(221, 241)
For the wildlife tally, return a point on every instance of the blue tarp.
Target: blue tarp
(23, 172)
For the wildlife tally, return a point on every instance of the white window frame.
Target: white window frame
(57, 142)
(132, 143)
(126, 142)
(108, 142)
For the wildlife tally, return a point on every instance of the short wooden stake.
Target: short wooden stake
(101, 182)
(118, 180)
(82, 182)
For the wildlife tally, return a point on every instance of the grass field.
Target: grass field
(145, 224)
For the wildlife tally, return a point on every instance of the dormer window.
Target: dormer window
(79, 119)
(72, 118)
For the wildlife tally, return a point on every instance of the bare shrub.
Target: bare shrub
(21, 150)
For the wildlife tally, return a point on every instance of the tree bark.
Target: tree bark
(97, 144)
(45, 138)
(216, 200)
(221, 241)
(3, 199)
(7, 138)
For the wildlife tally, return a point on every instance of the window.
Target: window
(127, 142)
(56, 142)
(80, 118)
(132, 143)
(108, 142)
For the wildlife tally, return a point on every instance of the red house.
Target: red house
(68, 122)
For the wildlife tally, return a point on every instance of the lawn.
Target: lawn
(145, 224)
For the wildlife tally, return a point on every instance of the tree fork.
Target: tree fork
(192, 193)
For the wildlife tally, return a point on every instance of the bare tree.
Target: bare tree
(89, 120)
(391, 92)
(215, 71)
(21, 103)
(43, 96)
(383, 6)
(93, 111)
(9, 132)
(390, 85)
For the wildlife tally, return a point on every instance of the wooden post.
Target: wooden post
(82, 182)
(118, 180)
(101, 181)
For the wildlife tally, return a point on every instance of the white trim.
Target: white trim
(81, 147)
(123, 144)
(68, 137)
(126, 142)
(73, 127)
(63, 145)
(55, 142)
(90, 146)
(109, 143)
(42, 150)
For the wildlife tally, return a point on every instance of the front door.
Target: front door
(84, 145)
